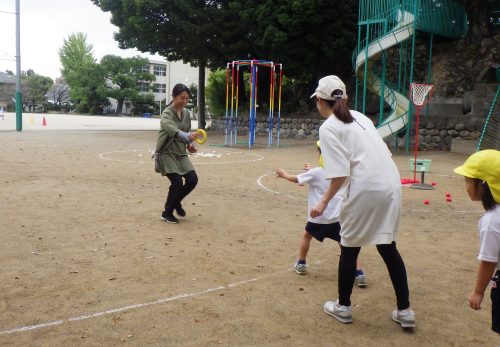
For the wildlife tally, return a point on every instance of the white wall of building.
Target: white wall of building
(176, 72)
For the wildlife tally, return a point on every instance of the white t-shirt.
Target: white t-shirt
(370, 213)
(489, 236)
(318, 184)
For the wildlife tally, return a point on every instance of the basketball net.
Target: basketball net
(420, 95)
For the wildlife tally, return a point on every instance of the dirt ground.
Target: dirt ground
(86, 260)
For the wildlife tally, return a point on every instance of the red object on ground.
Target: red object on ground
(449, 199)
(409, 181)
(426, 202)
(448, 195)
(44, 123)
(434, 183)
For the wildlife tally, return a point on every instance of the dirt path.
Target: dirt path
(83, 250)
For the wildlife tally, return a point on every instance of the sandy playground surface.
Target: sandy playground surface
(86, 260)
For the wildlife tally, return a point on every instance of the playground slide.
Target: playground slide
(399, 103)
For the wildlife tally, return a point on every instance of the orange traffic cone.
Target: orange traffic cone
(44, 122)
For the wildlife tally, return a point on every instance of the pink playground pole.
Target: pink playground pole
(227, 104)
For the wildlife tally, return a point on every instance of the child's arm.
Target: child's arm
(484, 274)
(283, 174)
(335, 184)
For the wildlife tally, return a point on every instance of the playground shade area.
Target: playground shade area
(86, 260)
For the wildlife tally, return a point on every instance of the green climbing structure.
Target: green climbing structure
(391, 26)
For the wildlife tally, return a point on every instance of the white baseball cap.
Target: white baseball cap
(327, 85)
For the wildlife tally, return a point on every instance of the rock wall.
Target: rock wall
(435, 132)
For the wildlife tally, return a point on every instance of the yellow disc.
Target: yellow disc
(202, 136)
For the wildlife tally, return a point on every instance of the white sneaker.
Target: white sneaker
(300, 268)
(404, 317)
(341, 313)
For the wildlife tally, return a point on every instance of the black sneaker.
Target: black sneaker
(180, 211)
(169, 218)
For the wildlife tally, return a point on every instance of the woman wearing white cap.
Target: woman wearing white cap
(359, 167)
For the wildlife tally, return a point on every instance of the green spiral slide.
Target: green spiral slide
(391, 26)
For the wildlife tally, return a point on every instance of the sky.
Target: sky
(44, 26)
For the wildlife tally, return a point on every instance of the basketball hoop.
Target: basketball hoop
(420, 95)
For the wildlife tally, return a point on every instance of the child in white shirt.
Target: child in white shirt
(325, 226)
(482, 183)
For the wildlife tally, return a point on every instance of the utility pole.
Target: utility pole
(19, 95)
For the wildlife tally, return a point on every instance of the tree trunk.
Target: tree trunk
(201, 96)
(119, 106)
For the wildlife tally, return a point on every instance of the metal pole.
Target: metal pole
(19, 95)
(365, 68)
(429, 73)
(408, 133)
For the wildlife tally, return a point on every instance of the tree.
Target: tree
(125, 76)
(143, 102)
(88, 89)
(195, 31)
(59, 93)
(84, 77)
(312, 38)
(75, 52)
(34, 89)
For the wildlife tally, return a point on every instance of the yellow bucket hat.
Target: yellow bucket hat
(320, 159)
(484, 165)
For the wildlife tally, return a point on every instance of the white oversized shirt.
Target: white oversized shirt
(489, 236)
(318, 184)
(370, 212)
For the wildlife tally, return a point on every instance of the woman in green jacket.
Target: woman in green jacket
(174, 138)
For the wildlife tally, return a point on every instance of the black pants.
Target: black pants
(395, 266)
(495, 303)
(179, 190)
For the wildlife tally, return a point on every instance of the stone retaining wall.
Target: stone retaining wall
(435, 132)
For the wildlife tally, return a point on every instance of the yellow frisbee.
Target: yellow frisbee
(202, 136)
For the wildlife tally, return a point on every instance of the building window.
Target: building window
(160, 88)
(159, 70)
(144, 86)
(145, 68)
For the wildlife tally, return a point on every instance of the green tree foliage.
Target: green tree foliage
(83, 75)
(124, 76)
(88, 89)
(143, 102)
(216, 93)
(34, 89)
(75, 52)
(312, 38)
(203, 33)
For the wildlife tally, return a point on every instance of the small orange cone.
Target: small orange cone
(44, 122)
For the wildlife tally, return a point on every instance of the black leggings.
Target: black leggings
(179, 190)
(395, 266)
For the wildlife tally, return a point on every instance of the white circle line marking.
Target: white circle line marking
(103, 156)
(259, 183)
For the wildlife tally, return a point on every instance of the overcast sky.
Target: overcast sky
(44, 26)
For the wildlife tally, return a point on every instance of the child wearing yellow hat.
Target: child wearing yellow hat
(482, 183)
(325, 226)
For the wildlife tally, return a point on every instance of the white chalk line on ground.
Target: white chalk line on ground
(136, 306)
(259, 182)
(103, 156)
